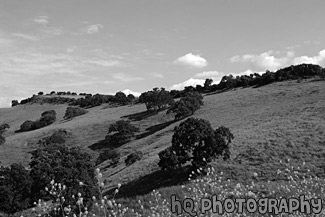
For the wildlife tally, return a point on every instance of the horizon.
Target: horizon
(109, 46)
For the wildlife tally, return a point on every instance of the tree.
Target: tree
(133, 157)
(156, 99)
(15, 189)
(123, 132)
(68, 166)
(40, 93)
(14, 103)
(112, 155)
(27, 126)
(187, 105)
(207, 84)
(72, 112)
(195, 140)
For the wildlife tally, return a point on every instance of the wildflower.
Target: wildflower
(81, 183)
(97, 170)
(255, 174)
(119, 185)
(79, 194)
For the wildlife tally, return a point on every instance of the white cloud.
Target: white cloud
(105, 63)
(267, 60)
(190, 82)
(126, 78)
(43, 20)
(128, 91)
(25, 36)
(319, 59)
(208, 74)
(92, 29)
(191, 60)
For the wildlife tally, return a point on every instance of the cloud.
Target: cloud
(126, 78)
(208, 74)
(190, 82)
(319, 59)
(43, 20)
(105, 63)
(25, 36)
(191, 60)
(92, 29)
(128, 91)
(268, 61)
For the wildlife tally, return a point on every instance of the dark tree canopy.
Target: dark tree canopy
(195, 140)
(64, 165)
(15, 188)
(156, 99)
(123, 131)
(72, 112)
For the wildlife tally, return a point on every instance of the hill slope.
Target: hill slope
(280, 120)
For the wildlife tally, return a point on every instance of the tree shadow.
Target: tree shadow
(151, 130)
(99, 145)
(140, 115)
(155, 180)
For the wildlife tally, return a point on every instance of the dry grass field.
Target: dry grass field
(271, 123)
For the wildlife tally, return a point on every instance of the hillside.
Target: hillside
(277, 121)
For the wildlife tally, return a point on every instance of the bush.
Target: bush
(195, 140)
(14, 103)
(15, 189)
(112, 155)
(187, 105)
(27, 126)
(65, 165)
(58, 137)
(124, 132)
(133, 157)
(72, 112)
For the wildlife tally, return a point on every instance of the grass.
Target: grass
(271, 123)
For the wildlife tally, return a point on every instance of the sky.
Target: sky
(105, 46)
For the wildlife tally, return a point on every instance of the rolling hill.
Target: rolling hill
(270, 123)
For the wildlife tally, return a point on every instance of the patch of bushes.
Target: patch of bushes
(195, 140)
(72, 112)
(120, 133)
(187, 105)
(47, 118)
(57, 137)
(133, 157)
(112, 155)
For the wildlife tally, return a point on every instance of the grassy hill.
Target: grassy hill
(271, 123)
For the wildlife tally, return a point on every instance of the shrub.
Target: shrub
(195, 140)
(72, 112)
(124, 131)
(14, 103)
(58, 137)
(187, 105)
(133, 157)
(15, 189)
(112, 155)
(66, 165)
(27, 126)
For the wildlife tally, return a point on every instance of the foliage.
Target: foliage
(123, 131)
(156, 99)
(68, 165)
(57, 137)
(47, 118)
(133, 157)
(15, 188)
(112, 155)
(72, 112)
(14, 103)
(195, 140)
(187, 105)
